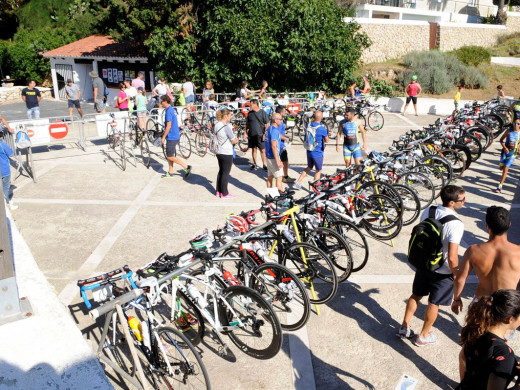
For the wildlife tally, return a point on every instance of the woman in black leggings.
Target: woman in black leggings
(226, 139)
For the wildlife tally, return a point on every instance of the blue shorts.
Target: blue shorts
(456, 106)
(314, 162)
(506, 160)
(190, 99)
(352, 151)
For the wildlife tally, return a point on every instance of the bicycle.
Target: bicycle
(160, 356)
(116, 138)
(140, 141)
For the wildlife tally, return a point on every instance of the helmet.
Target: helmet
(311, 96)
(202, 241)
(237, 223)
(414, 77)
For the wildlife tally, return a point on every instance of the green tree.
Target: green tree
(8, 17)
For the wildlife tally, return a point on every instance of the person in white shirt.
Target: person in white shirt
(189, 91)
(437, 285)
(131, 93)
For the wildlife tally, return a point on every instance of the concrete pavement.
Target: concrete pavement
(86, 216)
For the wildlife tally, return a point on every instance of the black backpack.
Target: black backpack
(425, 246)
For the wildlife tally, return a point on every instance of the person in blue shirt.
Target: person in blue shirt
(272, 153)
(350, 128)
(283, 154)
(315, 157)
(5, 168)
(510, 147)
(171, 137)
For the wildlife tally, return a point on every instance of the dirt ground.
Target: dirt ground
(507, 76)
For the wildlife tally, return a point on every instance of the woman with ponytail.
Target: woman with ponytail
(486, 361)
(225, 139)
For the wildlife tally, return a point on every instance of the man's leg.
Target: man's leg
(6, 185)
(429, 318)
(415, 108)
(279, 183)
(80, 111)
(262, 154)
(253, 154)
(176, 160)
(317, 175)
(270, 181)
(70, 112)
(504, 175)
(37, 113)
(411, 308)
(302, 175)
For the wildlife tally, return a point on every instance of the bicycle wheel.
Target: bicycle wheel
(185, 146)
(375, 120)
(201, 144)
(411, 204)
(111, 136)
(122, 153)
(375, 187)
(180, 365)
(356, 241)
(331, 126)
(254, 327)
(457, 161)
(145, 152)
(473, 144)
(433, 173)
(284, 292)
(380, 214)
(151, 129)
(443, 165)
(422, 186)
(335, 247)
(314, 268)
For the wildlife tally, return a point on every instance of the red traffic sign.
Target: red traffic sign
(58, 130)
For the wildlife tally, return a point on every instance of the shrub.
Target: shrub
(439, 72)
(473, 55)
(378, 87)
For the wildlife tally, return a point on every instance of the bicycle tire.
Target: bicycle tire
(145, 152)
(185, 146)
(318, 269)
(375, 120)
(335, 247)
(116, 347)
(442, 164)
(242, 143)
(411, 204)
(356, 240)
(457, 161)
(483, 134)
(384, 214)
(473, 144)
(189, 371)
(289, 301)
(201, 144)
(330, 125)
(464, 150)
(250, 301)
(421, 184)
(495, 123)
(374, 187)
(151, 129)
(111, 136)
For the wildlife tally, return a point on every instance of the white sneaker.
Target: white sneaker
(12, 206)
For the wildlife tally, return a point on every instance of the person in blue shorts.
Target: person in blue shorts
(171, 137)
(350, 128)
(509, 142)
(315, 157)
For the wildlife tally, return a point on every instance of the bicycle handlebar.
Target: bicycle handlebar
(125, 298)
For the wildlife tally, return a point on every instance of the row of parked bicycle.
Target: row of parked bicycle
(249, 280)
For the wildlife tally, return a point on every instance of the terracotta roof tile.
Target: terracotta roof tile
(98, 46)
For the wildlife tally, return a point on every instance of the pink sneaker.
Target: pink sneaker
(228, 196)
(218, 194)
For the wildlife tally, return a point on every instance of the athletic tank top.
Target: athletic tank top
(412, 89)
(512, 140)
(351, 131)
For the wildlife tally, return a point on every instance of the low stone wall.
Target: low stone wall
(454, 35)
(393, 38)
(8, 94)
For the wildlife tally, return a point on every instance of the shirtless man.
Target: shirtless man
(495, 262)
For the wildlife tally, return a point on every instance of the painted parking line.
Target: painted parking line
(87, 268)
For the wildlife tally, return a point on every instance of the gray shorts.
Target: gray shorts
(99, 105)
(171, 148)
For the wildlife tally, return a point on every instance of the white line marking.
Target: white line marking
(67, 294)
(299, 349)
(221, 203)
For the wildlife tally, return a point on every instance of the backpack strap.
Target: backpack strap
(431, 212)
(448, 218)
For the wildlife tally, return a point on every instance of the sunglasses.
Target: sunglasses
(460, 200)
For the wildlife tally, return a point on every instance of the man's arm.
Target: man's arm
(39, 96)
(274, 145)
(363, 134)
(460, 279)
(23, 96)
(79, 94)
(4, 121)
(95, 94)
(453, 258)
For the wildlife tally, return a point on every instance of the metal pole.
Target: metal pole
(11, 307)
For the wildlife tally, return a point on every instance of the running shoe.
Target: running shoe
(168, 175)
(264, 168)
(422, 342)
(297, 186)
(228, 196)
(406, 333)
(187, 171)
(218, 194)
(288, 179)
(253, 167)
(498, 190)
(182, 324)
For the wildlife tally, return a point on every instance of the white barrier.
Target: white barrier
(48, 131)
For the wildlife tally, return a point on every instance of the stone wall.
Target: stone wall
(454, 35)
(8, 94)
(393, 38)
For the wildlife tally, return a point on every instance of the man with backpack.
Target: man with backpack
(433, 250)
(350, 128)
(316, 136)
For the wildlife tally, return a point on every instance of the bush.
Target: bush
(473, 55)
(378, 87)
(439, 72)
